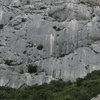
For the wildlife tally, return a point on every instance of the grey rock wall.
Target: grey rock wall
(44, 40)
(96, 98)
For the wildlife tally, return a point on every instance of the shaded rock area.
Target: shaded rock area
(44, 40)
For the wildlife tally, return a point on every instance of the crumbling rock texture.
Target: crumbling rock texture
(44, 40)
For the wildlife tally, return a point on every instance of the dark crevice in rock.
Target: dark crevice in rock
(42, 8)
(87, 67)
(94, 50)
(40, 47)
(28, 2)
(11, 62)
(24, 52)
(1, 26)
(93, 15)
(62, 55)
(23, 19)
(57, 28)
(57, 35)
(32, 68)
(8, 62)
(11, 18)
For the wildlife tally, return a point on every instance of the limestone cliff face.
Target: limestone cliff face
(96, 98)
(43, 40)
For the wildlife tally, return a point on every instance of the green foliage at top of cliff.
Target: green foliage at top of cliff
(83, 89)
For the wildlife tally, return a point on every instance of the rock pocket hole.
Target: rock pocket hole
(1, 26)
(40, 47)
(93, 15)
(42, 8)
(11, 18)
(56, 28)
(28, 2)
(57, 35)
(32, 68)
(24, 52)
(23, 19)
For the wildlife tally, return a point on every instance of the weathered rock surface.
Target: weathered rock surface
(96, 98)
(43, 40)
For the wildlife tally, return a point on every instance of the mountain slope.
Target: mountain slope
(44, 40)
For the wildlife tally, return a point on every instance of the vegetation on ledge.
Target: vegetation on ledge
(83, 89)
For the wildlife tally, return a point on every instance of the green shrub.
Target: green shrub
(82, 89)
